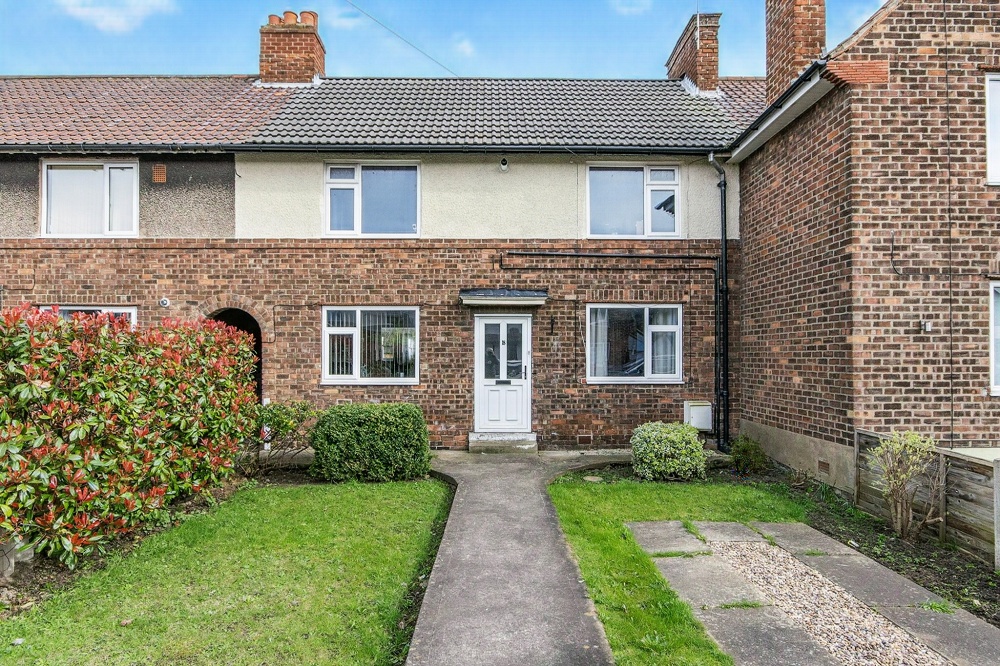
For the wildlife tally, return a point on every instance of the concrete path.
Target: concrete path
(747, 626)
(504, 589)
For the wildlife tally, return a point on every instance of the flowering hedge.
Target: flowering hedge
(102, 424)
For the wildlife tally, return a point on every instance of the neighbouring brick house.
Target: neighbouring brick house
(528, 260)
(870, 233)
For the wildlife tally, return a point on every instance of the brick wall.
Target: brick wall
(832, 338)
(284, 284)
(696, 54)
(795, 227)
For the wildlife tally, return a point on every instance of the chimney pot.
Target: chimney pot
(291, 51)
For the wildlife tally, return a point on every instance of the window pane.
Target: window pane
(664, 359)
(75, 200)
(993, 123)
(121, 184)
(663, 175)
(515, 352)
(389, 344)
(340, 318)
(389, 200)
(67, 313)
(341, 354)
(663, 316)
(341, 210)
(341, 173)
(661, 211)
(616, 342)
(491, 351)
(616, 201)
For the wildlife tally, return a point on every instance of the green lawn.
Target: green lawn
(645, 621)
(291, 575)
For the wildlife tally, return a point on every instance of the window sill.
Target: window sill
(634, 237)
(369, 382)
(89, 236)
(638, 381)
(354, 236)
(995, 392)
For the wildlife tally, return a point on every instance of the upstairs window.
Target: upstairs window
(993, 129)
(995, 338)
(90, 199)
(376, 199)
(634, 344)
(633, 201)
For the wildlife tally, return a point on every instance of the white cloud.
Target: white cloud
(631, 7)
(464, 46)
(115, 15)
(343, 18)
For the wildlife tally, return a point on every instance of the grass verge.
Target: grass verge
(292, 575)
(645, 621)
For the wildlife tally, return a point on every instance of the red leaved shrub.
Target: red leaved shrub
(102, 424)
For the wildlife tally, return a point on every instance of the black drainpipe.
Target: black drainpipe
(723, 311)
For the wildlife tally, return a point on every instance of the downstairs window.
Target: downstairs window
(634, 344)
(370, 345)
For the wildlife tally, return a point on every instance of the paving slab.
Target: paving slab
(504, 590)
(960, 636)
(727, 532)
(666, 536)
(708, 581)
(763, 637)
(798, 538)
(869, 581)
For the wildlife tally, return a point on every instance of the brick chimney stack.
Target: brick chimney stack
(696, 54)
(796, 36)
(290, 49)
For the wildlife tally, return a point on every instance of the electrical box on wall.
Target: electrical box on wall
(698, 413)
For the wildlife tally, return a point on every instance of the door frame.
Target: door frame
(478, 378)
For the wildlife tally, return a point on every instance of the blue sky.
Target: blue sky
(548, 38)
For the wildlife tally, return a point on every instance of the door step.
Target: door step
(503, 442)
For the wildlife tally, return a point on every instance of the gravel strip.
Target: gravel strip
(850, 630)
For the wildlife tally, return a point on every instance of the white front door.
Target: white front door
(503, 373)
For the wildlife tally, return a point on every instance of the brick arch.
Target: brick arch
(256, 309)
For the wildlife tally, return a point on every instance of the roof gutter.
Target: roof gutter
(805, 91)
(357, 148)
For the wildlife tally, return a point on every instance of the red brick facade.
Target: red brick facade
(291, 50)
(284, 284)
(832, 312)
(696, 54)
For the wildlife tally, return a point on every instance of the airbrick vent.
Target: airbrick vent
(159, 173)
(824, 467)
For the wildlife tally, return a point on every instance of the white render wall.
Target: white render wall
(281, 195)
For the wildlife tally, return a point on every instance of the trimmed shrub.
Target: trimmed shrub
(102, 424)
(908, 462)
(283, 432)
(748, 457)
(667, 451)
(371, 442)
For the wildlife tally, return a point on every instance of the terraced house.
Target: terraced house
(540, 262)
(534, 262)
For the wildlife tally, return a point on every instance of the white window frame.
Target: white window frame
(994, 352)
(355, 184)
(648, 330)
(131, 311)
(355, 331)
(992, 152)
(648, 185)
(107, 165)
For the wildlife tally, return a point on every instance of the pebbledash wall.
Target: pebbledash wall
(832, 332)
(284, 284)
